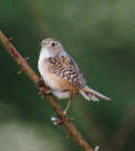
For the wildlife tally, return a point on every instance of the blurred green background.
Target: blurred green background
(100, 35)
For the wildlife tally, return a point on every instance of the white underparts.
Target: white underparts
(61, 95)
(44, 54)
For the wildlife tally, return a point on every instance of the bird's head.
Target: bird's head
(52, 46)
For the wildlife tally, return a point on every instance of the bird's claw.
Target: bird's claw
(58, 120)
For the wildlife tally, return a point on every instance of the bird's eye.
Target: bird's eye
(54, 44)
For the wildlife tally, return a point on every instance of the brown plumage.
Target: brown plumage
(62, 74)
(65, 68)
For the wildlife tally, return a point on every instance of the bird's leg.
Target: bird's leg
(41, 85)
(68, 106)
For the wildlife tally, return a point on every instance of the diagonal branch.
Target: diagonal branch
(51, 100)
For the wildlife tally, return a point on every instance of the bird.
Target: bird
(62, 75)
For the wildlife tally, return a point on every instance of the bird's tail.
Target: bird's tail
(92, 95)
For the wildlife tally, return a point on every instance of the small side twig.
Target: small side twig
(51, 100)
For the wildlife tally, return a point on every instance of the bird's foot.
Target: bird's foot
(41, 85)
(65, 112)
(58, 120)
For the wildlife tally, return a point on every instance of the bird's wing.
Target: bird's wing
(66, 68)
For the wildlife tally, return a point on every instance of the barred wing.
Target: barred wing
(66, 68)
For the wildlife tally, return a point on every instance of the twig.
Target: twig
(51, 100)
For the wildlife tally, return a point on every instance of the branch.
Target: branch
(43, 90)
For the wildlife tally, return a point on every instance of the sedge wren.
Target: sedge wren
(62, 75)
